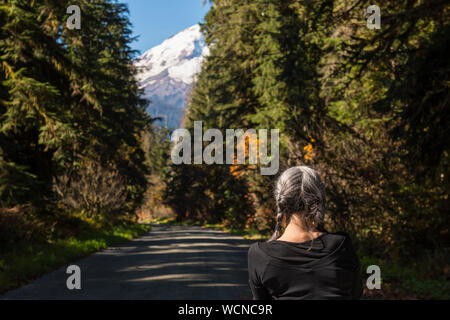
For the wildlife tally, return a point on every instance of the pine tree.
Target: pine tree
(69, 97)
(365, 107)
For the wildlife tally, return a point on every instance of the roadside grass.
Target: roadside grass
(397, 280)
(28, 261)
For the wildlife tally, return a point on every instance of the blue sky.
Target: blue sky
(156, 20)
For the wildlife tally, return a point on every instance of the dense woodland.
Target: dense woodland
(369, 109)
(71, 117)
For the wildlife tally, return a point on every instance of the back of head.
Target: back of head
(300, 191)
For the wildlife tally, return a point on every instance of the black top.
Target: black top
(324, 268)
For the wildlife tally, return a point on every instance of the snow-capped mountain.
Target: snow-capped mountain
(167, 71)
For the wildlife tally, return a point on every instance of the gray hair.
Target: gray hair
(300, 191)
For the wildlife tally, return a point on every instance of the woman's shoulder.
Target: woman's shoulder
(346, 244)
(338, 235)
(341, 234)
(257, 258)
(265, 248)
(255, 249)
(258, 251)
(339, 238)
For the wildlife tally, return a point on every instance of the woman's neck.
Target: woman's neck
(295, 231)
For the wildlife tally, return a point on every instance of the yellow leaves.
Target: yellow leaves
(57, 65)
(236, 171)
(8, 70)
(51, 23)
(308, 148)
(252, 141)
(310, 154)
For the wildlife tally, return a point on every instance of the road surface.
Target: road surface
(170, 262)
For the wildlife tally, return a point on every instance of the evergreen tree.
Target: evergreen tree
(69, 97)
(368, 108)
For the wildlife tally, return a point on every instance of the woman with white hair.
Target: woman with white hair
(305, 261)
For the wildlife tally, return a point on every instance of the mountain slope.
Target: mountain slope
(167, 71)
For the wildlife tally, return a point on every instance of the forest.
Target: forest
(367, 108)
(71, 123)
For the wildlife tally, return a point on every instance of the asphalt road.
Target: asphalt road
(171, 262)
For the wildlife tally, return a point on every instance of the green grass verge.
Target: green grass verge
(27, 261)
(406, 281)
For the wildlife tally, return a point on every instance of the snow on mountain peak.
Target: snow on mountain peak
(180, 55)
(167, 71)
